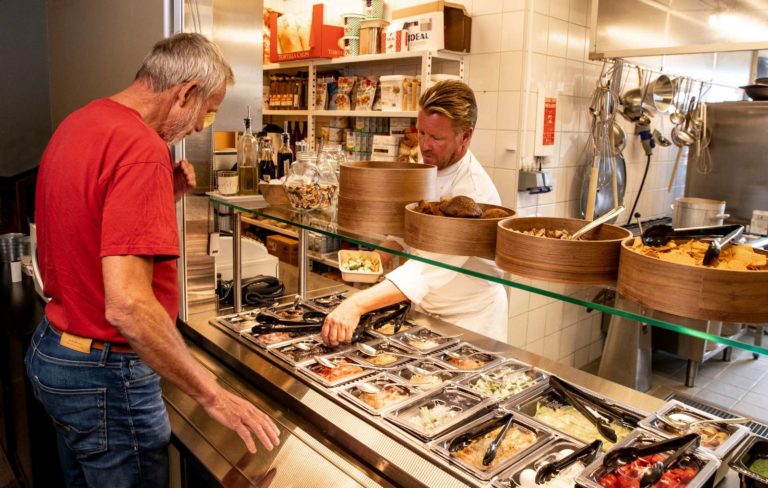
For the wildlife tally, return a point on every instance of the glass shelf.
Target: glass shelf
(593, 297)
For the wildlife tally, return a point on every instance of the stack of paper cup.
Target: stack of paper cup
(352, 24)
(373, 9)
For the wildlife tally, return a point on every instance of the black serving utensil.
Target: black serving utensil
(585, 454)
(609, 410)
(376, 319)
(661, 234)
(717, 245)
(490, 454)
(625, 455)
(653, 473)
(464, 440)
(270, 328)
(599, 422)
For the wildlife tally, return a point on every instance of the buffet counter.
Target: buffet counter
(326, 439)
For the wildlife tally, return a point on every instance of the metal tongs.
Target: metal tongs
(654, 472)
(581, 405)
(661, 234)
(625, 455)
(396, 313)
(609, 410)
(466, 439)
(717, 245)
(585, 454)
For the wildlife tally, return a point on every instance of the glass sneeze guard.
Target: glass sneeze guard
(589, 296)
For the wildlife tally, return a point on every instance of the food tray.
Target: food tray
(441, 375)
(388, 329)
(707, 464)
(547, 408)
(316, 371)
(529, 437)
(327, 303)
(472, 360)
(504, 380)
(453, 235)
(591, 261)
(454, 404)
(387, 358)
(294, 356)
(754, 448)
(387, 383)
(523, 472)
(426, 340)
(695, 292)
(239, 322)
(361, 276)
(709, 438)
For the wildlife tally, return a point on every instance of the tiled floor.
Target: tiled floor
(739, 385)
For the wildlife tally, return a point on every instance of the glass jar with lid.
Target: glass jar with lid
(329, 161)
(302, 185)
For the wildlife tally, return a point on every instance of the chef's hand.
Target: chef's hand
(340, 324)
(183, 178)
(242, 417)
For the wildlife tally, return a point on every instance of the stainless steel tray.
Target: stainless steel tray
(440, 377)
(719, 441)
(424, 340)
(328, 302)
(294, 356)
(437, 411)
(239, 322)
(388, 354)
(522, 473)
(528, 435)
(472, 358)
(394, 392)
(707, 463)
(350, 369)
(547, 408)
(388, 330)
(505, 380)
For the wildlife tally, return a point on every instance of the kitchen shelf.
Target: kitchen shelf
(264, 224)
(589, 296)
(421, 60)
(329, 259)
(364, 113)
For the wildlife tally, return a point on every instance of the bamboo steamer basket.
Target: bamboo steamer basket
(590, 261)
(453, 235)
(696, 292)
(373, 194)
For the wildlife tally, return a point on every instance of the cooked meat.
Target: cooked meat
(461, 206)
(495, 213)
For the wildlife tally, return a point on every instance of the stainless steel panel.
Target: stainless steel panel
(96, 46)
(738, 149)
(237, 30)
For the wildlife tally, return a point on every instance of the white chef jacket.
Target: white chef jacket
(466, 301)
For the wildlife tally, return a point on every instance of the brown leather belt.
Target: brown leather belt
(84, 344)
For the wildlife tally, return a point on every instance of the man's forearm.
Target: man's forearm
(381, 295)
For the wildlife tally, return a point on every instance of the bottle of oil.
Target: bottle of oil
(284, 154)
(267, 164)
(248, 160)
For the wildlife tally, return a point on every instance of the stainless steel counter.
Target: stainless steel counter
(323, 437)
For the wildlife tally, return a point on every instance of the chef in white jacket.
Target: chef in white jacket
(446, 121)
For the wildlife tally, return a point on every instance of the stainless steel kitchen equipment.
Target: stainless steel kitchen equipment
(737, 150)
(698, 212)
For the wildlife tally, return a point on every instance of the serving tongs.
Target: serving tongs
(585, 454)
(378, 318)
(467, 438)
(653, 473)
(661, 234)
(580, 404)
(717, 245)
(625, 455)
(628, 418)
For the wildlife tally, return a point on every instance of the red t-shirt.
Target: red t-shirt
(104, 188)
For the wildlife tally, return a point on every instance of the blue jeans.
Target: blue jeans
(110, 419)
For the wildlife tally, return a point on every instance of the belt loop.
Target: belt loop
(104, 353)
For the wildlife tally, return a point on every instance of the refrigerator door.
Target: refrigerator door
(739, 166)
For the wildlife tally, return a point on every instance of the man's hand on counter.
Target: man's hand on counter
(242, 417)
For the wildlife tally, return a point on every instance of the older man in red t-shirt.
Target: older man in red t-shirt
(107, 244)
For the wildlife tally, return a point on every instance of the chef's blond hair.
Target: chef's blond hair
(186, 57)
(453, 99)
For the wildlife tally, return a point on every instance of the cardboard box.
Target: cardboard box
(284, 248)
(435, 25)
(288, 44)
(395, 41)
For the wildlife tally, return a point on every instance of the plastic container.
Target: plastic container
(350, 262)
(351, 45)
(393, 92)
(373, 9)
(352, 24)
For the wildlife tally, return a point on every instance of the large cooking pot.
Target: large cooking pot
(698, 212)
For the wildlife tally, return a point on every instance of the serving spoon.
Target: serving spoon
(373, 352)
(681, 425)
